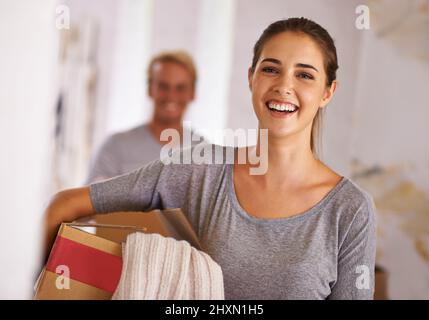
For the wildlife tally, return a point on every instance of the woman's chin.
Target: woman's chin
(280, 133)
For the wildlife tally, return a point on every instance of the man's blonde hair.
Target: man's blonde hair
(179, 57)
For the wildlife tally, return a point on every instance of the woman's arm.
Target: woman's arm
(139, 190)
(65, 206)
(122, 193)
(356, 259)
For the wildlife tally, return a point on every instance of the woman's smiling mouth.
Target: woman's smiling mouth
(281, 109)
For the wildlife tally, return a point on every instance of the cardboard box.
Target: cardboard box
(88, 266)
(168, 223)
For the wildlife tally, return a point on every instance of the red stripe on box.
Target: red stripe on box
(86, 264)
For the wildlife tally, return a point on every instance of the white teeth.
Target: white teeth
(282, 107)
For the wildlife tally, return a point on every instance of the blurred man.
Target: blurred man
(172, 78)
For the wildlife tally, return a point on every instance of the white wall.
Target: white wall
(214, 40)
(129, 105)
(390, 133)
(175, 25)
(392, 93)
(104, 13)
(27, 95)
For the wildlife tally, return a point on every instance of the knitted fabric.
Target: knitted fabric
(162, 268)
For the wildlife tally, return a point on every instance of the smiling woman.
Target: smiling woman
(315, 41)
(298, 231)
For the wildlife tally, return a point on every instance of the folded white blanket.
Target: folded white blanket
(160, 268)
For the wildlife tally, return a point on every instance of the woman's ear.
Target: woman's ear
(329, 93)
(249, 78)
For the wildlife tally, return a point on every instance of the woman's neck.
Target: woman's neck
(290, 161)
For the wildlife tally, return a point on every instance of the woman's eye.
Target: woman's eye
(306, 76)
(269, 70)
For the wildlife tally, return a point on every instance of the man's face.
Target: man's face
(171, 90)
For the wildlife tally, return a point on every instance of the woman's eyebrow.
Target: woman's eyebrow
(304, 65)
(271, 60)
(298, 65)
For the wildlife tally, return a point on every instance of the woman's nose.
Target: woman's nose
(284, 86)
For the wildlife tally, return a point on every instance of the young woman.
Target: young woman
(300, 231)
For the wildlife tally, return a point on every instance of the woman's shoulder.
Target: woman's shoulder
(345, 189)
(357, 195)
(351, 204)
(346, 198)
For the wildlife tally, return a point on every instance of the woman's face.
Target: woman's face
(289, 84)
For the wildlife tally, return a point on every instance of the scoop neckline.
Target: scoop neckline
(298, 217)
